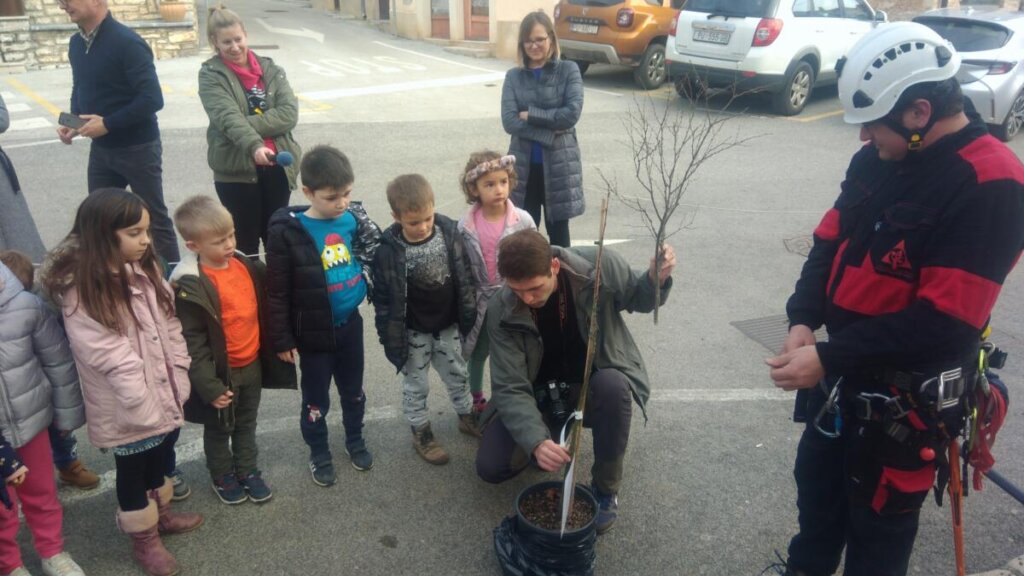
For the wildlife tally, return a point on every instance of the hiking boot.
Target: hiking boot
(427, 446)
(362, 459)
(607, 510)
(77, 475)
(469, 424)
(170, 522)
(255, 487)
(61, 565)
(228, 489)
(323, 473)
(181, 488)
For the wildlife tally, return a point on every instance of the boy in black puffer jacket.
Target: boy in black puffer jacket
(425, 303)
(318, 261)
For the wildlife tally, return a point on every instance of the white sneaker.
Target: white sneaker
(61, 565)
(20, 571)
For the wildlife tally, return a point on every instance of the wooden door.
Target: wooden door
(477, 19)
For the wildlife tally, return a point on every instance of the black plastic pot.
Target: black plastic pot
(524, 549)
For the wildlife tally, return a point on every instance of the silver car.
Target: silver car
(991, 42)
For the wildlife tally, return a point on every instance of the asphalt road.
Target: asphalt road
(708, 487)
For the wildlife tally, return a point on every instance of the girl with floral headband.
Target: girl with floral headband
(487, 182)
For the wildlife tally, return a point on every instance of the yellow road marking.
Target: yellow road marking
(314, 105)
(816, 116)
(31, 94)
(166, 89)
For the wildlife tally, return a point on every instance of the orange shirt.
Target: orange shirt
(239, 316)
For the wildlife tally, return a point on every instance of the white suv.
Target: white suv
(785, 47)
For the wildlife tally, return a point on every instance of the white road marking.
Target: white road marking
(339, 93)
(445, 60)
(607, 242)
(18, 107)
(8, 96)
(301, 33)
(33, 144)
(29, 124)
(694, 395)
(193, 450)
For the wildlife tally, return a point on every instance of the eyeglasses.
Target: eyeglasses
(535, 42)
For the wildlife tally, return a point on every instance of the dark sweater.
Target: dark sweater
(115, 78)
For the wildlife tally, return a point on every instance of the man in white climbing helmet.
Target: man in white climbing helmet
(904, 272)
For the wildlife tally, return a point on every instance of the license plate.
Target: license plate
(583, 28)
(713, 36)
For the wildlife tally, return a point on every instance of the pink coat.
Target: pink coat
(135, 384)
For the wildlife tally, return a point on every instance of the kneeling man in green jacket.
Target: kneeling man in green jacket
(538, 325)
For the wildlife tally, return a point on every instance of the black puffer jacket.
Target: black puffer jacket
(389, 287)
(299, 307)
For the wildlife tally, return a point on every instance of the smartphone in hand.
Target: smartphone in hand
(70, 121)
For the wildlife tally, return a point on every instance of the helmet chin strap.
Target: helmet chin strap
(914, 138)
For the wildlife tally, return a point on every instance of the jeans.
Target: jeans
(170, 456)
(345, 365)
(64, 448)
(139, 167)
(609, 412)
(876, 544)
(252, 204)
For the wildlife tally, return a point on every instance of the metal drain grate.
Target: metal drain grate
(770, 331)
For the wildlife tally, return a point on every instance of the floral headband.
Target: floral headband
(490, 166)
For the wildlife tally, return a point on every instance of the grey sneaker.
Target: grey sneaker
(61, 565)
(181, 488)
(323, 473)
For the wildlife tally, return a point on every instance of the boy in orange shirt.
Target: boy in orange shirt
(219, 296)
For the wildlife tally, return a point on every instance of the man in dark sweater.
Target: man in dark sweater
(116, 91)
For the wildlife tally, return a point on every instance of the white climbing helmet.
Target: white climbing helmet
(887, 61)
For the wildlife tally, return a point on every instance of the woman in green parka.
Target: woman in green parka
(252, 112)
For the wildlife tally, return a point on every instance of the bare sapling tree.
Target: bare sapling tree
(669, 145)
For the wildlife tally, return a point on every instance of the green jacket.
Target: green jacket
(516, 347)
(234, 134)
(198, 308)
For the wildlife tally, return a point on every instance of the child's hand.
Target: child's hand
(288, 356)
(18, 477)
(223, 400)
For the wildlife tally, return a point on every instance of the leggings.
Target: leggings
(139, 473)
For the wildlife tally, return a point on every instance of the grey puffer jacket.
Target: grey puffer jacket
(553, 104)
(38, 380)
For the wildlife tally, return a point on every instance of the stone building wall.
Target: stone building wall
(39, 39)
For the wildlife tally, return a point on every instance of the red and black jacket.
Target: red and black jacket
(907, 265)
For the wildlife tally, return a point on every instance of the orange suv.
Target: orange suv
(624, 32)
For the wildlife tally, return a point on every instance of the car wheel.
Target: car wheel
(1014, 120)
(793, 97)
(651, 72)
(582, 66)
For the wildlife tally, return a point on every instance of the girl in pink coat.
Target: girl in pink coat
(132, 360)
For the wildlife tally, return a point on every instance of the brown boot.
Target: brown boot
(468, 424)
(427, 446)
(147, 549)
(77, 475)
(173, 522)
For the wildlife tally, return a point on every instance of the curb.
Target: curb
(1014, 567)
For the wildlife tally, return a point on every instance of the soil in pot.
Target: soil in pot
(543, 509)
